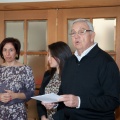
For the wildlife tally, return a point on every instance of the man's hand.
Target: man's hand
(69, 100)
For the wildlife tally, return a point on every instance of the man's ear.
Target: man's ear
(92, 36)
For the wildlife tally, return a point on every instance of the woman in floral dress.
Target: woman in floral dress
(16, 82)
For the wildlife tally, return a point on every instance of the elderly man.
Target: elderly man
(90, 80)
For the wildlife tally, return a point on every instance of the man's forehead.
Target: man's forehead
(79, 27)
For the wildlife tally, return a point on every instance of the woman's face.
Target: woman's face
(52, 62)
(9, 52)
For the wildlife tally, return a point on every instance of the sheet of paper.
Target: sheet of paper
(48, 98)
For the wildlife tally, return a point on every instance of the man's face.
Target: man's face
(82, 39)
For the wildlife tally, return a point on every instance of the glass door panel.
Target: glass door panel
(35, 29)
(37, 35)
(69, 37)
(105, 33)
(15, 29)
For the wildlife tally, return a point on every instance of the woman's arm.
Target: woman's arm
(40, 108)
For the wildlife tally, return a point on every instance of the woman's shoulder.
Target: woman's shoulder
(27, 67)
(47, 73)
(16, 64)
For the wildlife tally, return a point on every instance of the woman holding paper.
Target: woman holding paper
(58, 53)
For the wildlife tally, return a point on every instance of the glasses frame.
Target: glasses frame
(80, 33)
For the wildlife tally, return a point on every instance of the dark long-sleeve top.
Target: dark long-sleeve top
(95, 79)
(40, 108)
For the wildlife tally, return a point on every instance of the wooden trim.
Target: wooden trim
(117, 44)
(33, 53)
(25, 41)
(67, 14)
(1, 26)
(26, 15)
(58, 4)
(52, 27)
(36, 53)
(111, 52)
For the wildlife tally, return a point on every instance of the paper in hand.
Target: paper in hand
(48, 98)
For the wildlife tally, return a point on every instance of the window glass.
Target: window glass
(37, 35)
(15, 29)
(69, 36)
(105, 29)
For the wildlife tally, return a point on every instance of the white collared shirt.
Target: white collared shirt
(79, 57)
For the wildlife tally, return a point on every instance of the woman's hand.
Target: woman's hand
(5, 97)
(48, 105)
(12, 94)
(43, 117)
(16, 95)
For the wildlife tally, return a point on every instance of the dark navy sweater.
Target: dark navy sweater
(95, 79)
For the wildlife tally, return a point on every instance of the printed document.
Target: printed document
(48, 98)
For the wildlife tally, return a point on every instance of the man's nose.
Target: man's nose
(76, 35)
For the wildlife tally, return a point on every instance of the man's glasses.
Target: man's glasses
(80, 32)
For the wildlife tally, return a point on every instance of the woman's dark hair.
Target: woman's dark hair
(60, 51)
(15, 42)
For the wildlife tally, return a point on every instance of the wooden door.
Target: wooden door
(21, 24)
(92, 13)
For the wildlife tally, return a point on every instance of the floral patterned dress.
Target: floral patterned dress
(20, 80)
(53, 87)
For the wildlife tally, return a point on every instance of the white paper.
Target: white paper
(48, 98)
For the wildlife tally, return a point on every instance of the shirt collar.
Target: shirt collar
(84, 53)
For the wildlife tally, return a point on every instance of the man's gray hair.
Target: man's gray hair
(86, 21)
